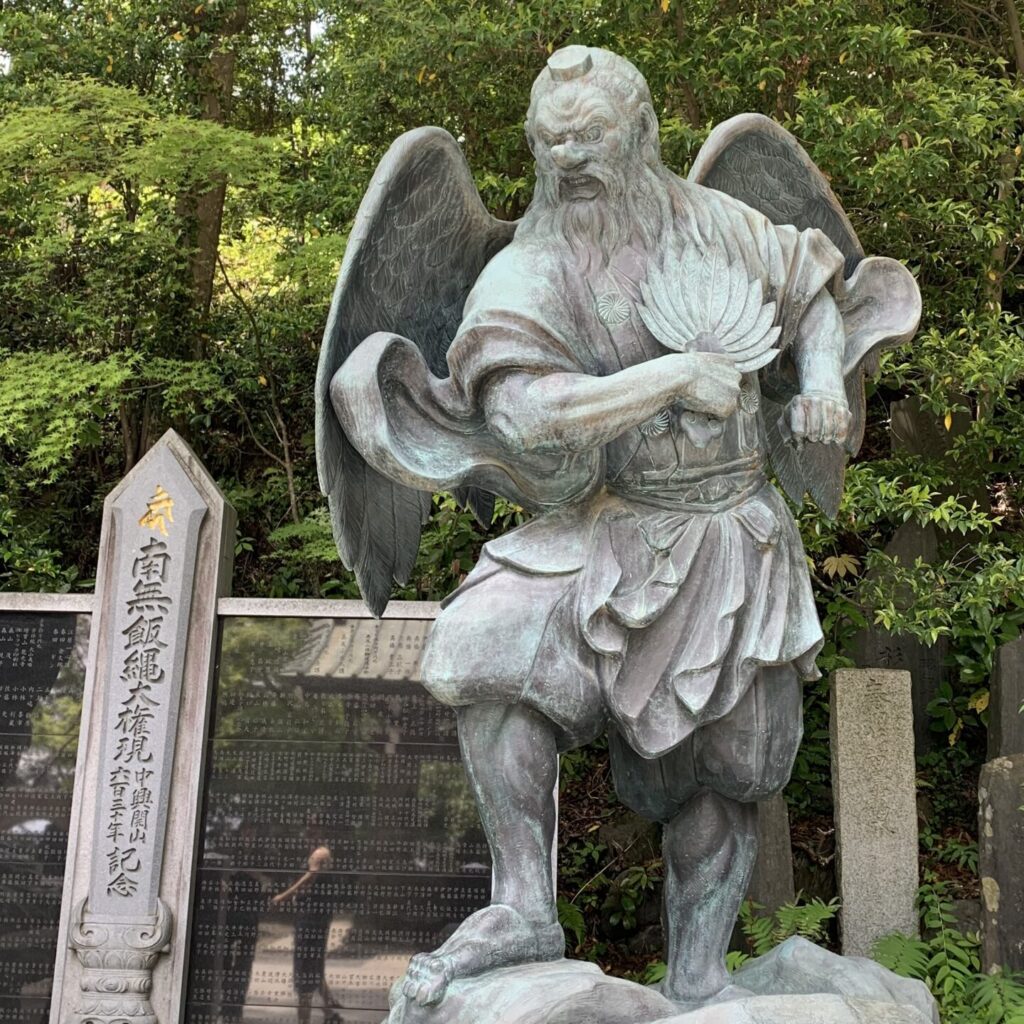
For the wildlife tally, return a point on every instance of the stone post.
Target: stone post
(166, 550)
(1001, 862)
(771, 884)
(1006, 695)
(872, 736)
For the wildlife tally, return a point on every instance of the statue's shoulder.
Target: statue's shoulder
(526, 257)
(720, 206)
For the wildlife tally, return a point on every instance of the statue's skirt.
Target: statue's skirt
(657, 618)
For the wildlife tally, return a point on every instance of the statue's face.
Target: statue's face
(581, 142)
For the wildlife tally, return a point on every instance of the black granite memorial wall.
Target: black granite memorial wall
(42, 671)
(339, 834)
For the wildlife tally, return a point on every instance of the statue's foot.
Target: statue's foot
(496, 936)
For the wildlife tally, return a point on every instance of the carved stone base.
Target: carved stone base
(117, 956)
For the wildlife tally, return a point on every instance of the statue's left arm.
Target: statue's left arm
(754, 160)
(820, 412)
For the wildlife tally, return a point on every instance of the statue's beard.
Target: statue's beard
(633, 204)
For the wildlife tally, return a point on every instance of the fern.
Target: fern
(947, 961)
(903, 955)
(734, 959)
(954, 963)
(998, 999)
(570, 917)
(765, 932)
(759, 930)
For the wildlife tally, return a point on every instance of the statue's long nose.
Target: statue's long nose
(568, 156)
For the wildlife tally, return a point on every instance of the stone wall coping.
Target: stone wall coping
(314, 608)
(263, 607)
(24, 602)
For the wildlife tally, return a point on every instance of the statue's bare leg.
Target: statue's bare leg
(511, 759)
(709, 848)
(710, 842)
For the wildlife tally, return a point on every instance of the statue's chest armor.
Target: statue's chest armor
(677, 444)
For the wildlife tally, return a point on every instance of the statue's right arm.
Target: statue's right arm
(575, 412)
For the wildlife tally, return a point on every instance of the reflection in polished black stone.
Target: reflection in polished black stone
(42, 671)
(340, 836)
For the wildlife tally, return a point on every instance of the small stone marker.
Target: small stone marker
(165, 558)
(875, 810)
(1006, 694)
(1001, 862)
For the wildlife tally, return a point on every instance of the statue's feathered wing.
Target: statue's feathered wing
(757, 161)
(420, 239)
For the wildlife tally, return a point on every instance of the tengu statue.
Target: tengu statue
(627, 362)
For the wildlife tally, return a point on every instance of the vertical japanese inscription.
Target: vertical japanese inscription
(142, 673)
(158, 522)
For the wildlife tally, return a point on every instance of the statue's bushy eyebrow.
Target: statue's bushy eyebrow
(577, 115)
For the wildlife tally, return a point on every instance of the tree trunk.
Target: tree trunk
(1008, 164)
(203, 211)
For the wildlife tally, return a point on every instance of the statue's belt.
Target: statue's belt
(712, 494)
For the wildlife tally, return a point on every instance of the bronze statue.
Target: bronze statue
(626, 362)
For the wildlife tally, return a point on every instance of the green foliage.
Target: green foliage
(764, 932)
(570, 917)
(52, 407)
(577, 862)
(954, 961)
(998, 999)
(654, 973)
(627, 892)
(947, 961)
(905, 956)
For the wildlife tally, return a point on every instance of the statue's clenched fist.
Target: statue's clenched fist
(818, 418)
(711, 382)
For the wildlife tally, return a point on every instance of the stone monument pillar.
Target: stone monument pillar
(1001, 856)
(1006, 689)
(166, 551)
(772, 884)
(872, 735)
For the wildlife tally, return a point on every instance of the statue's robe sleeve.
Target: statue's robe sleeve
(431, 433)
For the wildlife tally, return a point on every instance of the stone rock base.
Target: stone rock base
(560, 992)
(797, 967)
(817, 1009)
(797, 983)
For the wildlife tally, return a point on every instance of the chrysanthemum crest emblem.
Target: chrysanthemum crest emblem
(613, 309)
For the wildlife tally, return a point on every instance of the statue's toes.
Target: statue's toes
(432, 983)
(415, 975)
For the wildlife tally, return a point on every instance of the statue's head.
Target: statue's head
(592, 130)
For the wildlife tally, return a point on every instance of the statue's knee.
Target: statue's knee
(441, 670)
(653, 788)
(749, 772)
(458, 669)
(748, 789)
